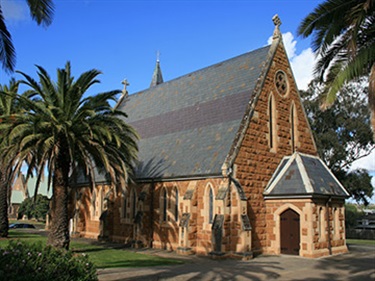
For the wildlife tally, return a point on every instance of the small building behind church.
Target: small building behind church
(228, 167)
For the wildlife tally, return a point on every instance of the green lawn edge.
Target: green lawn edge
(103, 256)
(360, 242)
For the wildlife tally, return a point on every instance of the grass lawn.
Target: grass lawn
(101, 256)
(360, 242)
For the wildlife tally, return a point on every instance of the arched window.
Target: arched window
(133, 203)
(336, 223)
(93, 203)
(164, 204)
(210, 206)
(322, 224)
(293, 127)
(272, 122)
(174, 203)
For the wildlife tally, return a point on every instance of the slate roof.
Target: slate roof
(302, 174)
(187, 125)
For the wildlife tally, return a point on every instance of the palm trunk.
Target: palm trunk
(59, 231)
(4, 186)
(371, 98)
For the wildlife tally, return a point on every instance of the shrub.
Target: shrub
(21, 261)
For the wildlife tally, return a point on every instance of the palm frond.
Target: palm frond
(7, 51)
(352, 70)
(41, 11)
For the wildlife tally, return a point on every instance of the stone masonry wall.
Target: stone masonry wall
(256, 161)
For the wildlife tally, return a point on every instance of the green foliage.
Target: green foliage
(103, 256)
(41, 11)
(343, 36)
(21, 261)
(359, 183)
(63, 130)
(352, 214)
(37, 208)
(343, 134)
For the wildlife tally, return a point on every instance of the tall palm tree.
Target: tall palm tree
(41, 11)
(8, 106)
(344, 40)
(64, 131)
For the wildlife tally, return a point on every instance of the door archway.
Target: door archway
(290, 232)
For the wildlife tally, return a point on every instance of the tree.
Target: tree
(8, 106)
(344, 40)
(63, 131)
(41, 11)
(352, 214)
(35, 207)
(343, 134)
(359, 182)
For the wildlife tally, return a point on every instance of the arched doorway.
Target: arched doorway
(289, 232)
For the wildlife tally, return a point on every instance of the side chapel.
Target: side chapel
(227, 167)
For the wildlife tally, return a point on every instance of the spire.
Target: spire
(157, 77)
(277, 22)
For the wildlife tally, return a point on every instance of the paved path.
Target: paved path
(358, 264)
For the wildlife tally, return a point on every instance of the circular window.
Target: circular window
(281, 82)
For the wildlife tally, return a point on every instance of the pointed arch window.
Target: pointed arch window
(210, 206)
(175, 203)
(164, 204)
(272, 122)
(293, 128)
(93, 204)
(133, 203)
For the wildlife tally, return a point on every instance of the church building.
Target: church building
(228, 167)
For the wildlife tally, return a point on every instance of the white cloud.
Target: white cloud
(367, 163)
(14, 11)
(302, 63)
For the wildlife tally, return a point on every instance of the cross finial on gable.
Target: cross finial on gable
(125, 83)
(277, 22)
(124, 93)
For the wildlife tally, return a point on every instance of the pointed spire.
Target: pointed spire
(157, 77)
(277, 22)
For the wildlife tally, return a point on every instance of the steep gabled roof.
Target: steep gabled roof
(303, 175)
(188, 125)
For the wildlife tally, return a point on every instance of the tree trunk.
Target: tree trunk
(4, 186)
(371, 98)
(59, 230)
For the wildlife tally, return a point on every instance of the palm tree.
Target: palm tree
(344, 40)
(64, 131)
(41, 11)
(8, 106)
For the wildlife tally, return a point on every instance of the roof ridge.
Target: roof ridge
(201, 70)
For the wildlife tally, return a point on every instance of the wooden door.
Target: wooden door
(289, 232)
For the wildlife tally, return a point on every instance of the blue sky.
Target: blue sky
(121, 38)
